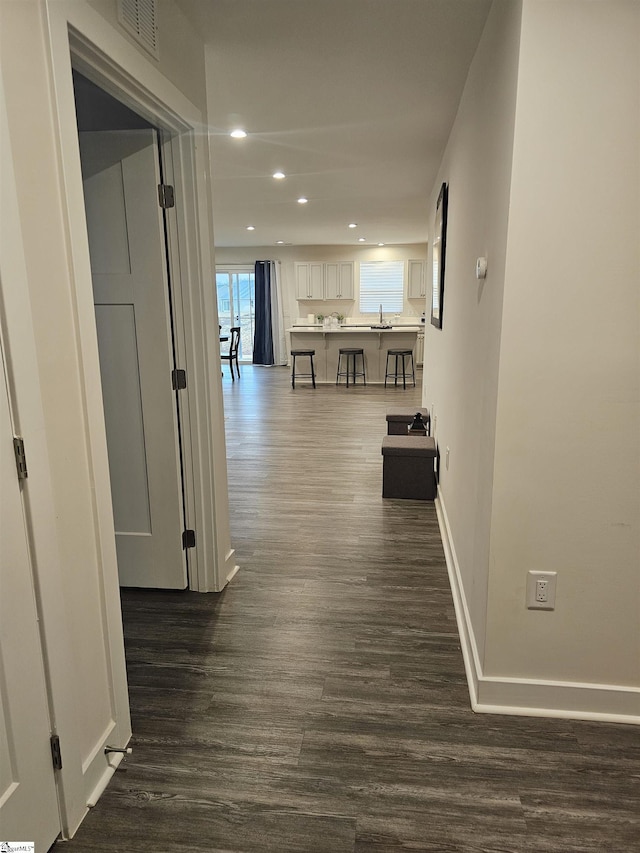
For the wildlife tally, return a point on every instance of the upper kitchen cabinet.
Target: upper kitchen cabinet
(309, 280)
(417, 286)
(338, 280)
(317, 280)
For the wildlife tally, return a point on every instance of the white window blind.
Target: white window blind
(381, 283)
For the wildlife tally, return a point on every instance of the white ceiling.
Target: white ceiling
(352, 99)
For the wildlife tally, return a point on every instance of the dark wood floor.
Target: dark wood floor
(319, 704)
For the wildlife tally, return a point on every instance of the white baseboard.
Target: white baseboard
(467, 639)
(231, 567)
(528, 697)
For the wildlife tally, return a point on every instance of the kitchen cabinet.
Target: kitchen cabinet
(417, 280)
(309, 280)
(338, 280)
(322, 281)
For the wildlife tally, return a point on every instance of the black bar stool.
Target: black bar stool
(400, 353)
(302, 352)
(351, 355)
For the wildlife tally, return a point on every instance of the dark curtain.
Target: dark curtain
(263, 338)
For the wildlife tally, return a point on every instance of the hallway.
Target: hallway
(319, 704)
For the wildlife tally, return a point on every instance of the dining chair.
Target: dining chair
(232, 355)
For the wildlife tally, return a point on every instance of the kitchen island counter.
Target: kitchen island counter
(374, 341)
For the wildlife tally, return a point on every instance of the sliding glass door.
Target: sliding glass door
(236, 305)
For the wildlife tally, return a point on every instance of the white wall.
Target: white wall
(180, 48)
(535, 375)
(567, 475)
(461, 360)
(289, 255)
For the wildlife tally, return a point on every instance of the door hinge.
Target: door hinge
(178, 379)
(166, 196)
(21, 459)
(56, 755)
(188, 539)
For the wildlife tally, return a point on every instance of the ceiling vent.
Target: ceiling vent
(140, 18)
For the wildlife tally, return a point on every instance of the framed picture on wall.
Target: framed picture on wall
(439, 247)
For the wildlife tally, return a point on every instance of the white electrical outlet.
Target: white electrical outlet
(541, 590)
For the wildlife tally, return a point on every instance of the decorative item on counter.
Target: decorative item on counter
(417, 426)
(320, 318)
(311, 318)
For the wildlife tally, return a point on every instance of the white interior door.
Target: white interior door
(128, 262)
(28, 798)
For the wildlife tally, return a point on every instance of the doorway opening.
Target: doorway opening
(122, 172)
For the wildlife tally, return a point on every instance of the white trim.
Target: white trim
(608, 703)
(170, 147)
(234, 571)
(568, 700)
(467, 639)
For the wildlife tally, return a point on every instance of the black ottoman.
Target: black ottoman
(398, 420)
(408, 467)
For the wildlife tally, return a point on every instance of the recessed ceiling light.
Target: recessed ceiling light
(362, 239)
(279, 175)
(279, 242)
(380, 244)
(353, 225)
(238, 133)
(302, 200)
(251, 227)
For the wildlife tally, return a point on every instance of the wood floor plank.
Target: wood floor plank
(319, 704)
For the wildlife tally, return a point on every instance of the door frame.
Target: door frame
(173, 132)
(80, 39)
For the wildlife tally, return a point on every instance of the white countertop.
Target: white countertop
(355, 328)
